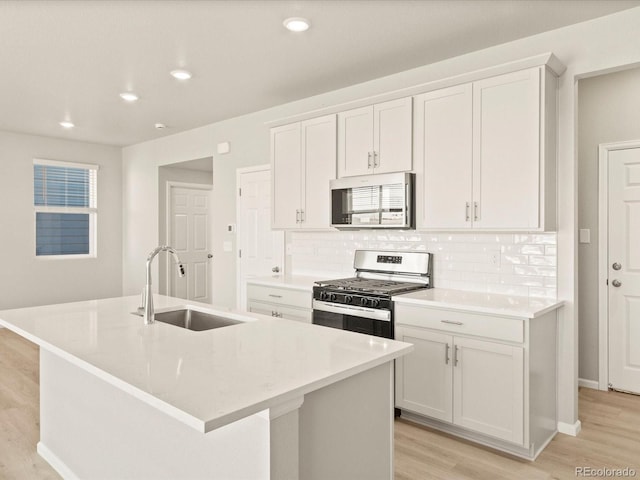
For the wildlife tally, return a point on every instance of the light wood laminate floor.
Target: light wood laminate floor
(610, 436)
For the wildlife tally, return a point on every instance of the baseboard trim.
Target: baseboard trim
(572, 429)
(515, 450)
(583, 382)
(57, 464)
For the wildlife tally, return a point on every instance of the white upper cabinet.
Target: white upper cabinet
(443, 122)
(375, 139)
(303, 161)
(319, 168)
(286, 167)
(506, 143)
(485, 154)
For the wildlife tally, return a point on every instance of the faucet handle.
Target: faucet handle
(142, 303)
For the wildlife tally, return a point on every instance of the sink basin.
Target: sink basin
(194, 320)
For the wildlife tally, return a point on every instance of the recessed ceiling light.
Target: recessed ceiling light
(160, 126)
(67, 124)
(181, 74)
(297, 24)
(129, 96)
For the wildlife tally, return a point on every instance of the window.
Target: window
(65, 201)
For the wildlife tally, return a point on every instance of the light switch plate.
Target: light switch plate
(585, 235)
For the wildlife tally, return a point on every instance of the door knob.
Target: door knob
(275, 269)
(616, 283)
(616, 266)
(209, 256)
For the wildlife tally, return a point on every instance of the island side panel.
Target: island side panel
(91, 429)
(346, 429)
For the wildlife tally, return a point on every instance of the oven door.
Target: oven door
(369, 321)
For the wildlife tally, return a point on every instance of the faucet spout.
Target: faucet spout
(148, 314)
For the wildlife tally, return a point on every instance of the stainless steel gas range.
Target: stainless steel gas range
(364, 303)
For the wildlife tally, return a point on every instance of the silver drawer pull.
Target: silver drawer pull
(451, 322)
(446, 354)
(275, 296)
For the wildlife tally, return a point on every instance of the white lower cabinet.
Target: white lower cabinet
(491, 389)
(280, 302)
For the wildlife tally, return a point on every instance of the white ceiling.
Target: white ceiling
(70, 59)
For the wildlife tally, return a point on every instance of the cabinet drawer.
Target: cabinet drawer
(290, 313)
(461, 323)
(281, 296)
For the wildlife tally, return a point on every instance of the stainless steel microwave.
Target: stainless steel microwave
(373, 201)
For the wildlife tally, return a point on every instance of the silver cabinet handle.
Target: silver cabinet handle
(616, 283)
(209, 256)
(616, 266)
(275, 269)
(369, 155)
(466, 212)
(451, 322)
(298, 215)
(475, 211)
(301, 216)
(275, 296)
(376, 163)
(446, 354)
(455, 356)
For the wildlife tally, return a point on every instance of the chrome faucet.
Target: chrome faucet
(147, 296)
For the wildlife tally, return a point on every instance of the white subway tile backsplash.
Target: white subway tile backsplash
(542, 260)
(515, 264)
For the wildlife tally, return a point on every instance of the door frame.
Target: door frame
(239, 173)
(167, 241)
(603, 250)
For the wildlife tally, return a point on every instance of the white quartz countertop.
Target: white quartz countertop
(477, 302)
(293, 282)
(204, 379)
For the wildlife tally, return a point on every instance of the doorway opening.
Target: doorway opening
(607, 112)
(184, 196)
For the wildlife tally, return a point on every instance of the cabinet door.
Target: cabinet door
(319, 167)
(392, 136)
(285, 175)
(355, 142)
(444, 160)
(488, 388)
(424, 376)
(506, 140)
(261, 308)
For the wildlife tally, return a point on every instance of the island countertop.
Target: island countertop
(204, 379)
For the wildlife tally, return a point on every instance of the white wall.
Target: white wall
(609, 111)
(26, 280)
(595, 46)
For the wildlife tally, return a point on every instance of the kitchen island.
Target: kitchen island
(265, 398)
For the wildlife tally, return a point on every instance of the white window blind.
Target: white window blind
(65, 201)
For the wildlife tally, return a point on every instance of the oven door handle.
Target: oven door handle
(372, 313)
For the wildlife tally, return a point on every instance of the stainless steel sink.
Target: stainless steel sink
(194, 320)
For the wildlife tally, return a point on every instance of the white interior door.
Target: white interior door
(189, 235)
(624, 269)
(260, 249)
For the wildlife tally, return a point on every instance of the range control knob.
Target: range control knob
(348, 299)
(332, 297)
(323, 295)
(375, 303)
(363, 301)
